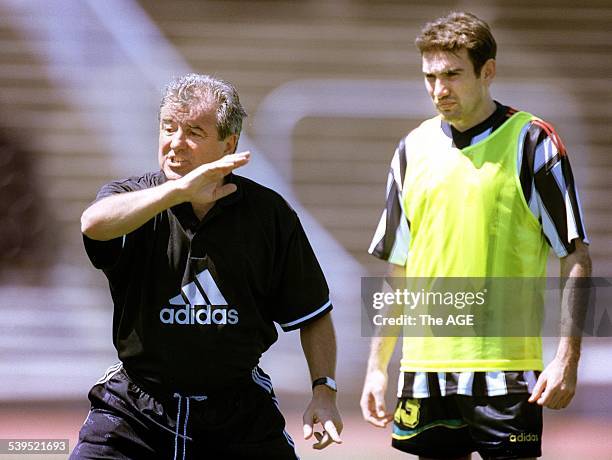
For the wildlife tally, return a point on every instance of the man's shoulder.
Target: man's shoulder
(145, 180)
(423, 134)
(262, 195)
(525, 117)
(425, 128)
(266, 206)
(132, 183)
(537, 130)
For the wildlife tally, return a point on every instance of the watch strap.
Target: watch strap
(327, 381)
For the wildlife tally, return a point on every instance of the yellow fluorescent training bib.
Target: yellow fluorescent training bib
(469, 218)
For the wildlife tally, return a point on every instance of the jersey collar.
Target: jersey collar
(232, 198)
(184, 211)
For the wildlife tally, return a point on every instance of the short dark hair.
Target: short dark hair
(456, 31)
(194, 89)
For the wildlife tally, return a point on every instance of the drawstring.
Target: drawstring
(185, 428)
(178, 422)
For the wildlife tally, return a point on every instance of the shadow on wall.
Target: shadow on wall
(26, 242)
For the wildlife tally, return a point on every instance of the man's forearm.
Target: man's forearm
(381, 349)
(319, 345)
(385, 337)
(568, 350)
(123, 213)
(120, 214)
(574, 302)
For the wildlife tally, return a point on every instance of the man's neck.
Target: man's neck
(201, 209)
(480, 116)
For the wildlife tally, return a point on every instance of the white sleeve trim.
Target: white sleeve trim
(399, 252)
(549, 229)
(307, 317)
(380, 232)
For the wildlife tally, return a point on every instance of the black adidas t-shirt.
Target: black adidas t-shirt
(195, 302)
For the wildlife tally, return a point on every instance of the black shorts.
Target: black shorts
(498, 427)
(125, 422)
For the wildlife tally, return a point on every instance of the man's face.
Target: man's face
(188, 138)
(460, 97)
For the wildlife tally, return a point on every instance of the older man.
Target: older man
(201, 263)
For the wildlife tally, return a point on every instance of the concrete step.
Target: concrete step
(391, 12)
(53, 341)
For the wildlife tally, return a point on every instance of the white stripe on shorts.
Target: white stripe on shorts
(109, 373)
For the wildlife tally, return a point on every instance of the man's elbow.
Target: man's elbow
(91, 226)
(584, 258)
(578, 263)
(88, 227)
(317, 325)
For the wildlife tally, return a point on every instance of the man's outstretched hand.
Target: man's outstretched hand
(204, 184)
(322, 409)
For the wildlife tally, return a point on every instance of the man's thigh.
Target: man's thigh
(124, 423)
(503, 427)
(451, 427)
(106, 434)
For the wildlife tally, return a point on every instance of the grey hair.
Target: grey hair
(195, 89)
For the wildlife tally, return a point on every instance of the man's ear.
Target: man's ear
(488, 71)
(230, 144)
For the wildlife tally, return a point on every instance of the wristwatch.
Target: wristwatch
(327, 381)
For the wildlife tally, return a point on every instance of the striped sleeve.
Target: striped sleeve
(392, 236)
(549, 188)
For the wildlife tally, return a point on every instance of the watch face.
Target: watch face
(327, 381)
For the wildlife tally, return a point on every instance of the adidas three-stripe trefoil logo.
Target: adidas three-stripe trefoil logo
(199, 302)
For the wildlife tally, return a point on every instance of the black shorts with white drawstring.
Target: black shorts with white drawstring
(126, 422)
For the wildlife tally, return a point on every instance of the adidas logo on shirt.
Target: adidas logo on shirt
(196, 304)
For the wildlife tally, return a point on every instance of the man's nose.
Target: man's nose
(440, 89)
(178, 139)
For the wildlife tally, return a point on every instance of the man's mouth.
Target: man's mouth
(445, 104)
(177, 162)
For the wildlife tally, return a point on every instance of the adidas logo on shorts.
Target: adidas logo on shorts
(524, 437)
(201, 302)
